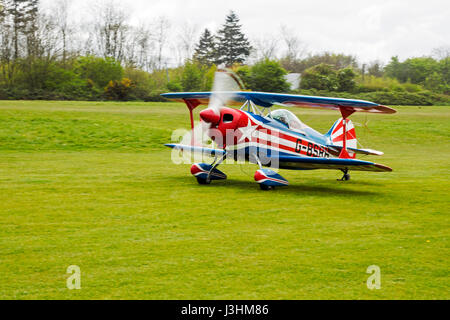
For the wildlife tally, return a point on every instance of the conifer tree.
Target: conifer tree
(233, 46)
(205, 51)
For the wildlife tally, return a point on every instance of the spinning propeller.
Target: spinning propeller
(225, 81)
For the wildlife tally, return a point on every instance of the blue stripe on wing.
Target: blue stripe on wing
(293, 162)
(324, 161)
(269, 99)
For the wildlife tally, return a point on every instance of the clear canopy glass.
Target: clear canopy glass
(287, 118)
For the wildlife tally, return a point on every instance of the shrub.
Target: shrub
(191, 78)
(244, 72)
(174, 86)
(99, 70)
(268, 76)
(346, 80)
(320, 77)
(119, 90)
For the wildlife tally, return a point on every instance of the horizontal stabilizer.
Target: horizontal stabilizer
(367, 152)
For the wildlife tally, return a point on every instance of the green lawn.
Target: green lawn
(91, 184)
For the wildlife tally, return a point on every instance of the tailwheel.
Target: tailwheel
(203, 181)
(346, 176)
(266, 187)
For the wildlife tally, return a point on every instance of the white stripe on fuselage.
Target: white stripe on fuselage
(275, 139)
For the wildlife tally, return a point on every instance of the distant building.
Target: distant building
(294, 80)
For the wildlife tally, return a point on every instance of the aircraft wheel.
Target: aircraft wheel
(347, 177)
(266, 188)
(203, 181)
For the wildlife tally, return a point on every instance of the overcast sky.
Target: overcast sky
(370, 29)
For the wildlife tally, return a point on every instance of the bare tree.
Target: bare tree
(47, 37)
(295, 48)
(441, 53)
(161, 32)
(187, 37)
(265, 47)
(141, 47)
(61, 19)
(375, 68)
(111, 30)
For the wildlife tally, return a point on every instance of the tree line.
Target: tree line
(45, 54)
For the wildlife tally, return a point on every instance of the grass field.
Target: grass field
(90, 184)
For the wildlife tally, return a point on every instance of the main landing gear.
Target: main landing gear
(206, 173)
(346, 176)
(268, 179)
(203, 181)
(264, 187)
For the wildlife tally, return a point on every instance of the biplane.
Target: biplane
(276, 138)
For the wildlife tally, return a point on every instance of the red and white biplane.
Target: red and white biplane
(277, 138)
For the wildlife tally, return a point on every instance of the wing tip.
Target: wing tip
(385, 109)
(383, 167)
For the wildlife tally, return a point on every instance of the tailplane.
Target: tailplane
(336, 136)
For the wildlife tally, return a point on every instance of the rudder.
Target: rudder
(336, 134)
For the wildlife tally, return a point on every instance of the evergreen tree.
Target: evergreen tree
(205, 51)
(233, 46)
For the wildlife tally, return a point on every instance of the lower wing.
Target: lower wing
(302, 163)
(298, 163)
(194, 149)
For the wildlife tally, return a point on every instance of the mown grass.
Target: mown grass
(90, 184)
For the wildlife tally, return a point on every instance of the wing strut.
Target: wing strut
(192, 104)
(346, 112)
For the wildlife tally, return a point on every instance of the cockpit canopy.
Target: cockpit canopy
(287, 118)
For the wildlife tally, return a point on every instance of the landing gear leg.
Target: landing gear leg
(205, 173)
(261, 185)
(346, 176)
(268, 179)
(215, 164)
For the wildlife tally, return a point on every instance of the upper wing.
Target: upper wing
(270, 99)
(292, 162)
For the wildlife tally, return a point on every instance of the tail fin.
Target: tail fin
(336, 134)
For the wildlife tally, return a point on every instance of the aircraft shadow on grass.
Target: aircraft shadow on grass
(297, 189)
